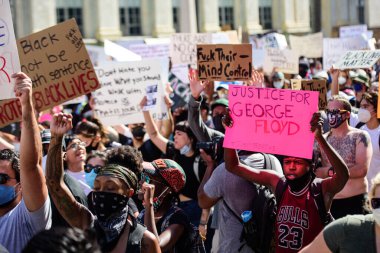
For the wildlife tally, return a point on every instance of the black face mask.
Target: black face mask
(138, 132)
(298, 184)
(90, 148)
(105, 204)
(217, 121)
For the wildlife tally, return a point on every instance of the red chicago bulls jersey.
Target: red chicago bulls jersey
(297, 221)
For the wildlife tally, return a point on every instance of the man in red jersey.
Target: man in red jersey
(299, 216)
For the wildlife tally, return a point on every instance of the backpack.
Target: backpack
(194, 242)
(258, 233)
(360, 124)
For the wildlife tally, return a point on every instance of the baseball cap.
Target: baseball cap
(220, 101)
(361, 77)
(278, 75)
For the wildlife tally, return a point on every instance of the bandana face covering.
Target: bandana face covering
(335, 119)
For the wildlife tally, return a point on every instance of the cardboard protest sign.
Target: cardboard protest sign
(308, 45)
(9, 60)
(124, 84)
(358, 59)
(224, 62)
(352, 31)
(333, 49)
(271, 40)
(150, 51)
(285, 60)
(320, 86)
(183, 46)
(296, 84)
(57, 62)
(273, 121)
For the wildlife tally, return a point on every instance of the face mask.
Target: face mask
(217, 121)
(298, 184)
(278, 84)
(90, 148)
(364, 115)
(376, 215)
(7, 194)
(105, 204)
(335, 119)
(185, 149)
(357, 87)
(138, 132)
(342, 80)
(90, 178)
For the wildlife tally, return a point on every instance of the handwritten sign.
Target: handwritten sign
(352, 31)
(296, 84)
(334, 48)
(9, 60)
(308, 45)
(271, 40)
(124, 84)
(320, 86)
(224, 62)
(285, 60)
(57, 62)
(150, 51)
(358, 59)
(183, 46)
(273, 121)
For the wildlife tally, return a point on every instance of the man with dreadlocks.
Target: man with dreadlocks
(116, 228)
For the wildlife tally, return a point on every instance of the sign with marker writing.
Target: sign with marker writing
(358, 59)
(269, 120)
(58, 63)
(296, 84)
(9, 60)
(352, 31)
(224, 62)
(285, 60)
(124, 84)
(317, 85)
(308, 45)
(150, 51)
(183, 46)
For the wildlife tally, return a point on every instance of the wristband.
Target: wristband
(203, 223)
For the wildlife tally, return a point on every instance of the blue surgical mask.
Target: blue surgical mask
(185, 149)
(90, 178)
(7, 194)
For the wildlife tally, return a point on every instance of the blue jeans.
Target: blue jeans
(192, 210)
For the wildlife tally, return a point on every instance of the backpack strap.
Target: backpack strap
(135, 238)
(316, 191)
(359, 125)
(280, 189)
(196, 167)
(232, 212)
(268, 164)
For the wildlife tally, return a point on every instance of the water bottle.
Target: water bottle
(246, 216)
(248, 226)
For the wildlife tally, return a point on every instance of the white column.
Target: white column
(107, 14)
(292, 16)
(157, 18)
(326, 17)
(187, 16)
(208, 15)
(246, 13)
(90, 20)
(372, 8)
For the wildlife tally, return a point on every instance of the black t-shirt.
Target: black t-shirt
(187, 163)
(148, 150)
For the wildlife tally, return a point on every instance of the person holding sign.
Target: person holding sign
(299, 218)
(354, 146)
(24, 202)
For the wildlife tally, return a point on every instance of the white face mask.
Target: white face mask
(342, 80)
(376, 215)
(278, 84)
(185, 149)
(364, 115)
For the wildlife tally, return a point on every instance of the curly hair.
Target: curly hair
(126, 156)
(14, 158)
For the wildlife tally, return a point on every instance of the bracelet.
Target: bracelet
(203, 223)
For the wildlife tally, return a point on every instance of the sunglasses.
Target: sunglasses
(145, 178)
(4, 178)
(375, 203)
(88, 168)
(335, 111)
(76, 145)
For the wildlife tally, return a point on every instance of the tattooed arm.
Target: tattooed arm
(363, 156)
(72, 211)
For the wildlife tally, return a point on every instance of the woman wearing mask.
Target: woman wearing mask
(94, 162)
(369, 122)
(278, 80)
(353, 233)
(160, 183)
(183, 151)
(92, 135)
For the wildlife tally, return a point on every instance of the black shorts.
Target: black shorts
(352, 205)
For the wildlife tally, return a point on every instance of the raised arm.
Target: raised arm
(152, 130)
(334, 82)
(334, 184)
(167, 125)
(34, 190)
(72, 211)
(268, 178)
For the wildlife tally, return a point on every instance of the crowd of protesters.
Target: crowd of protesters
(68, 183)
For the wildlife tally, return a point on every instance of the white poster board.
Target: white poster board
(150, 51)
(308, 45)
(334, 48)
(285, 60)
(9, 59)
(183, 46)
(124, 85)
(358, 59)
(352, 31)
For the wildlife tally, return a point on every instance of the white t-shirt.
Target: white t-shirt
(374, 166)
(19, 225)
(81, 178)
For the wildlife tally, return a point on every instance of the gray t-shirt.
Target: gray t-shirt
(351, 234)
(19, 225)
